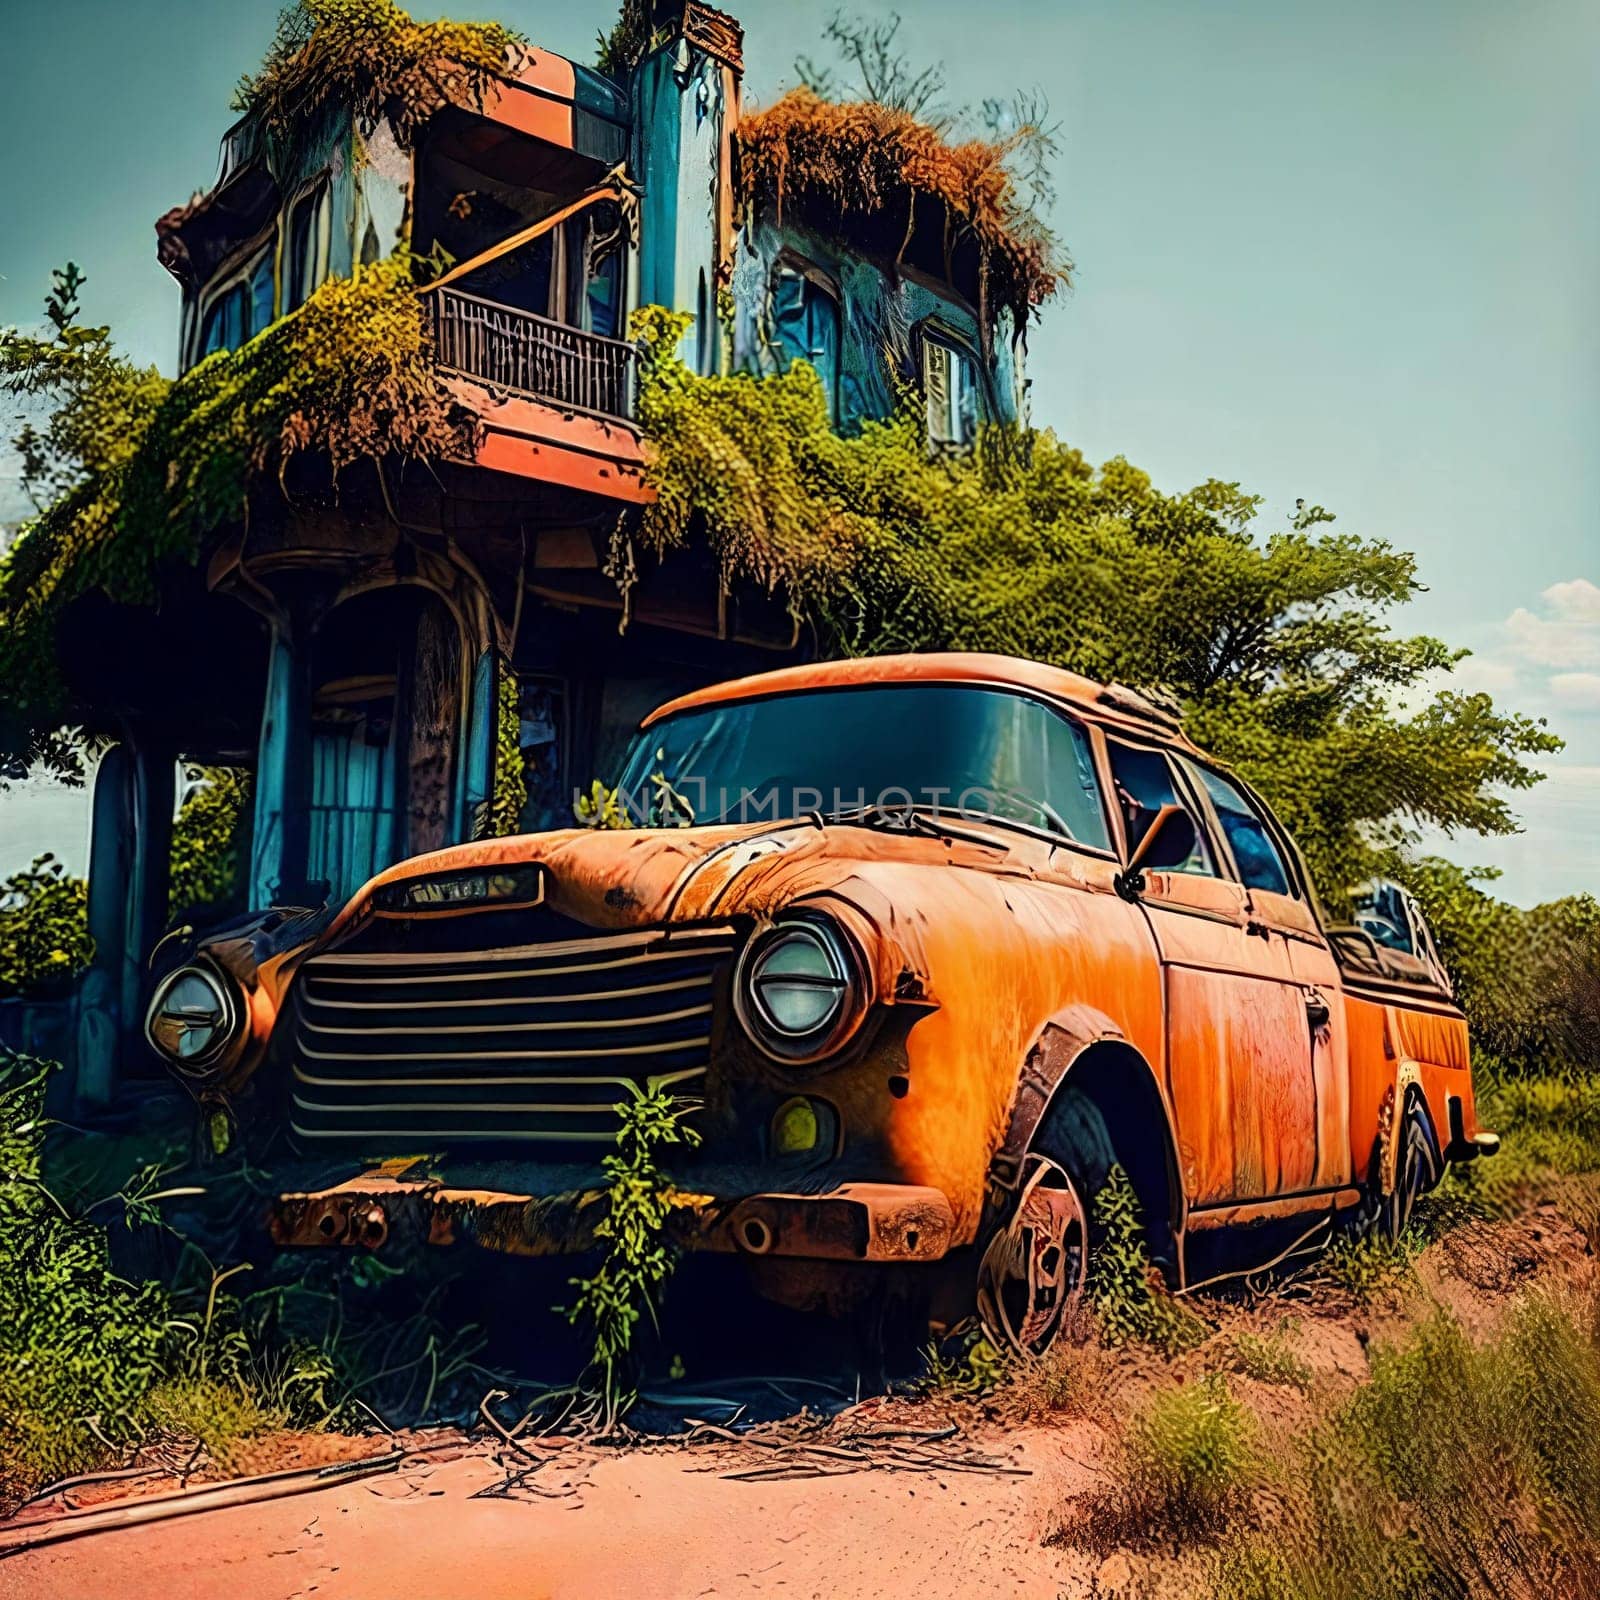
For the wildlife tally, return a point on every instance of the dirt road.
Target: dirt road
(657, 1524)
(937, 1499)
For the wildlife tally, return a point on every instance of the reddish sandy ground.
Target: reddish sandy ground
(645, 1523)
(665, 1522)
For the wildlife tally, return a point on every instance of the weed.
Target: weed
(80, 1347)
(640, 1257)
(1191, 1458)
(1268, 1358)
(93, 1362)
(1191, 1462)
(1369, 1265)
(964, 1366)
(1130, 1302)
(215, 1414)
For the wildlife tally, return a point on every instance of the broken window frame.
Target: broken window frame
(954, 403)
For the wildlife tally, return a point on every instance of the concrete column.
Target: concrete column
(130, 853)
(111, 850)
(280, 850)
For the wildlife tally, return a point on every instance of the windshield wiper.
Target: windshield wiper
(903, 819)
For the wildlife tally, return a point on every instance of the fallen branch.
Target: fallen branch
(212, 1497)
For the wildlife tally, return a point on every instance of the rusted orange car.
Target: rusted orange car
(933, 941)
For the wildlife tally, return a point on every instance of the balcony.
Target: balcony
(529, 355)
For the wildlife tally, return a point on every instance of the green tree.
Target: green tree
(1280, 648)
(1529, 980)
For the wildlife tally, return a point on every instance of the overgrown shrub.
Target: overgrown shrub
(80, 1347)
(1549, 1127)
(211, 843)
(1191, 1458)
(1529, 980)
(1369, 1264)
(94, 1362)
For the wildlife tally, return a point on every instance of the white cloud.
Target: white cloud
(1558, 850)
(1566, 635)
(1480, 674)
(1578, 691)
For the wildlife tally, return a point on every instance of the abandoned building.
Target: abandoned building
(350, 651)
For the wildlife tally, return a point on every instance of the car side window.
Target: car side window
(1144, 781)
(1260, 863)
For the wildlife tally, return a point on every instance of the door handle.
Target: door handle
(1259, 929)
(1318, 1013)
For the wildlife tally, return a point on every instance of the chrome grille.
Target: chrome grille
(535, 1042)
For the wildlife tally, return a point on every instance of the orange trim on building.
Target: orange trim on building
(537, 99)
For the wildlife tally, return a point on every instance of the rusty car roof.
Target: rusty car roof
(1112, 704)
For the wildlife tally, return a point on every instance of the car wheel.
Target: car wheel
(1417, 1170)
(1033, 1273)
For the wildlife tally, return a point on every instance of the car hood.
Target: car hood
(647, 877)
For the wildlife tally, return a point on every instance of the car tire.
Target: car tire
(1418, 1169)
(1034, 1270)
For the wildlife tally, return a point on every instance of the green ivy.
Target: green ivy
(143, 471)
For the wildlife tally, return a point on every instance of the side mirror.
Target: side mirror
(1168, 842)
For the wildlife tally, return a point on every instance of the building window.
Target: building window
(806, 325)
(310, 235)
(241, 310)
(223, 328)
(950, 389)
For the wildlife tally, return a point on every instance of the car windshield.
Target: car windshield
(947, 749)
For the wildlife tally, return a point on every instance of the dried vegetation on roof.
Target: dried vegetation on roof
(376, 59)
(821, 161)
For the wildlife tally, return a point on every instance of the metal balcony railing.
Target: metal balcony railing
(512, 349)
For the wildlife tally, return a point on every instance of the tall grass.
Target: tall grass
(1459, 1472)
(93, 1363)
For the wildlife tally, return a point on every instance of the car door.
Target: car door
(1280, 908)
(1239, 1056)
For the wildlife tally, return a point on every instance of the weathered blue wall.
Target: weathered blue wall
(880, 312)
(680, 99)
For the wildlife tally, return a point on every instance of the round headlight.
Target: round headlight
(795, 990)
(192, 1018)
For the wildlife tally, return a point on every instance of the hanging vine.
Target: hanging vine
(820, 162)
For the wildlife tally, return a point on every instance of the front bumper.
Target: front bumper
(877, 1222)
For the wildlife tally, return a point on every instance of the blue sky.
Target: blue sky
(1350, 253)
